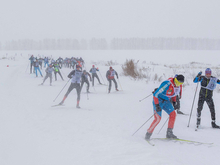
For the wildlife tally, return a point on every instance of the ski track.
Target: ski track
(34, 133)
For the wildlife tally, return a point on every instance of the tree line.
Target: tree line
(153, 43)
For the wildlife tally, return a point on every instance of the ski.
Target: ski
(150, 142)
(182, 140)
(57, 105)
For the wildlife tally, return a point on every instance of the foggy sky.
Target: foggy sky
(39, 19)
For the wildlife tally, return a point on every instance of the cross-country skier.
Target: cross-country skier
(176, 101)
(57, 70)
(110, 75)
(161, 101)
(75, 75)
(208, 84)
(93, 70)
(31, 62)
(86, 80)
(36, 68)
(49, 72)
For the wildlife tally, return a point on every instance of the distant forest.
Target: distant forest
(179, 43)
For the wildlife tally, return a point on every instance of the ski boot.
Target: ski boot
(198, 122)
(170, 134)
(147, 136)
(214, 125)
(61, 103)
(116, 89)
(179, 112)
(77, 106)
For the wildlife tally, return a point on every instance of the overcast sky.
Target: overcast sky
(39, 19)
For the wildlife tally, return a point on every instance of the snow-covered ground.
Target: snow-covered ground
(100, 133)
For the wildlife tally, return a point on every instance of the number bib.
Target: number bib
(212, 84)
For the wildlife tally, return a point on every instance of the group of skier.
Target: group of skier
(166, 96)
(77, 76)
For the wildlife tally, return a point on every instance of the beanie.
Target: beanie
(180, 78)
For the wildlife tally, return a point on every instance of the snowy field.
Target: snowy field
(100, 133)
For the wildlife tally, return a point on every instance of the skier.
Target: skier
(57, 70)
(208, 84)
(176, 101)
(75, 83)
(46, 61)
(110, 75)
(94, 74)
(161, 100)
(85, 79)
(36, 68)
(49, 72)
(32, 63)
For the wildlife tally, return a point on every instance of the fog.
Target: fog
(78, 19)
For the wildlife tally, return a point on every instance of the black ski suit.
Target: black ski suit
(85, 79)
(205, 95)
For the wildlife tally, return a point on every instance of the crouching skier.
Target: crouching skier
(75, 83)
(161, 100)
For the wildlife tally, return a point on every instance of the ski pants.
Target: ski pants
(48, 75)
(71, 87)
(31, 67)
(46, 63)
(55, 73)
(210, 104)
(94, 75)
(168, 108)
(87, 82)
(110, 84)
(37, 69)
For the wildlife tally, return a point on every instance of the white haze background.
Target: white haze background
(33, 133)
(31, 19)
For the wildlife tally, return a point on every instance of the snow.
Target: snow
(100, 133)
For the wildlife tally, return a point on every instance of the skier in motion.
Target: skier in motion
(208, 84)
(110, 75)
(94, 74)
(161, 100)
(75, 83)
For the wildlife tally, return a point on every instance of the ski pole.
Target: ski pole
(102, 78)
(142, 125)
(193, 104)
(120, 85)
(61, 90)
(163, 125)
(145, 97)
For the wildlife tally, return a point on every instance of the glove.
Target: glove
(174, 104)
(158, 109)
(199, 74)
(90, 79)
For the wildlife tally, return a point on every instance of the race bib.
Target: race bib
(212, 84)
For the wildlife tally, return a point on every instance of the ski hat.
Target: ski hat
(110, 67)
(208, 71)
(180, 78)
(84, 70)
(77, 66)
(93, 65)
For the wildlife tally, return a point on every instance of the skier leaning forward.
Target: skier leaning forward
(161, 100)
(110, 75)
(75, 83)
